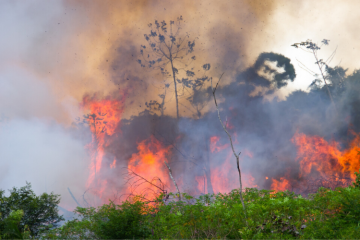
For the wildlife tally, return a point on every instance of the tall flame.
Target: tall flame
(104, 119)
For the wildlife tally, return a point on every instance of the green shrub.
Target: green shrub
(23, 212)
(110, 221)
(283, 215)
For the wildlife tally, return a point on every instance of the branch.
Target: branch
(74, 198)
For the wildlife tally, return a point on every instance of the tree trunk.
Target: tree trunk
(176, 95)
(210, 189)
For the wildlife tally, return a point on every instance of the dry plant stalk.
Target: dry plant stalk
(172, 178)
(232, 146)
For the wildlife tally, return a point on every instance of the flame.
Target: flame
(104, 119)
(148, 163)
(323, 163)
(201, 183)
(315, 153)
(113, 165)
(221, 175)
(281, 185)
(214, 147)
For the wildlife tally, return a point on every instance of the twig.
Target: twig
(232, 146)
(142, 178)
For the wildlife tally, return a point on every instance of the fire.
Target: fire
(201, 183)
(220, 175)
(322, 163)
(225, 177)
(104, 119)
(281, 185)
(113, 165)
(148, 163)
(214, 147)
(314, 153)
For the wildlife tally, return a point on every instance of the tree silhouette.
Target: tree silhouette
(171, 52)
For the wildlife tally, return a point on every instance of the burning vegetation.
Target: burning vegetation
(200, 150)
(308, 141)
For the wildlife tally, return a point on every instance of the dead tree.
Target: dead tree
(237, 155)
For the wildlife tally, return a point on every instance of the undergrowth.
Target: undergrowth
(285, 215)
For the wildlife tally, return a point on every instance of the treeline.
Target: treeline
(325, 214)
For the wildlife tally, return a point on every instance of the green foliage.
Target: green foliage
(337, 214)
(277, 215)
(110, 221)
(357, 180)
(10, 226)
(284, 215)
(23, 213)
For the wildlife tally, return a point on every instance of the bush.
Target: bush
(110, 221)
(25, 213)
(325, 214)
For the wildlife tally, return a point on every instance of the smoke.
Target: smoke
(34, 145)
(46, 156)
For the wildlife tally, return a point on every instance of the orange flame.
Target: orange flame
(316, 156)
(281, 185)
(326, 158)
(149, 164)
(104, 118)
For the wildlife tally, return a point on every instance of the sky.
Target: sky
(54, 52)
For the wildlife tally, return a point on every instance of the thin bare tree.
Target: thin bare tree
(170, 51)
(237, 155)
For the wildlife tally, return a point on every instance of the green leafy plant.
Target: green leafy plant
(357, 180)
(23, 212)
